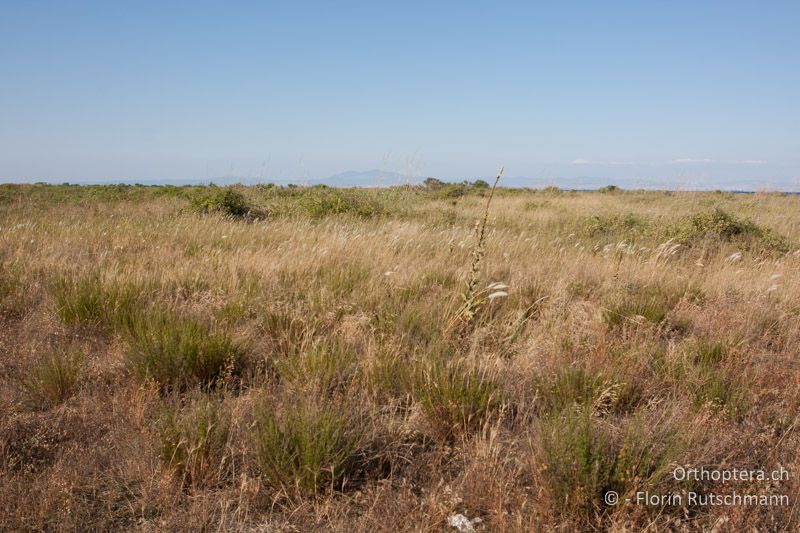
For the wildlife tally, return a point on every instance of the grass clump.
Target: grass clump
(324, 369)
(86, 300)
(577, 388)
(649, 309)
(343, 278)
(194, 441)
(456, 397)
(711, 352)
(13, 300)
(181, 352)
(226, 201)
(712, 381)
(717, 388)
(391, 377)
(53, 379)
(80, 300)
(583, 458)
(650, 304)
(307, 447)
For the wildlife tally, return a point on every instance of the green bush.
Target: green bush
(53, 379)
(226, 201)
(307, 448)
(720, 226)
(180, 352)
(324, 202)
(613, 227)
(194, 441)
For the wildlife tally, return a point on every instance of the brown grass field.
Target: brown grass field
(311, 359)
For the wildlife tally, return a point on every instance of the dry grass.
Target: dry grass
(268, 359)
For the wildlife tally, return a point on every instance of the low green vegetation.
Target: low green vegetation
(647, 304)
(53, 379)
(322, 369)
(578, 388)
(585, 458)
(180, 351)
(194, 441)
(717, 225)
(308, 448)
(226, 201)
(626, 227)
(85, 300)
(457, 397)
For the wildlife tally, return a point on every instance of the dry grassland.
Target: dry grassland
(300, 359)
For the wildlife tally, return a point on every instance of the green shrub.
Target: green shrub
(180, 352)
(614, 227)
(194, 441)
(226, 201)
(307, 448)
(456, 397)
(53, 379)
(720, 226)
(324, 202)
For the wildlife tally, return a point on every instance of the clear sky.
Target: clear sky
(687, 92)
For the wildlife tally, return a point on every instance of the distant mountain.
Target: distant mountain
(367, 178)
(385, 178)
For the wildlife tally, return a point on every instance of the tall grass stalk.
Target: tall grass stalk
(471, 297)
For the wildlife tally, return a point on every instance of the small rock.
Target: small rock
(462, 523)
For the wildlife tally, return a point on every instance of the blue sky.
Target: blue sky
(686, 93)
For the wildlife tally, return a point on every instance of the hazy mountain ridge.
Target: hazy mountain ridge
(387, 178)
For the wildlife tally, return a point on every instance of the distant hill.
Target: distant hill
(386, 178)
(368, 178)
